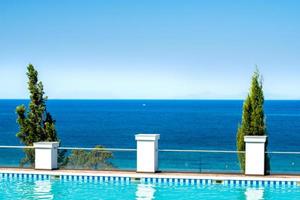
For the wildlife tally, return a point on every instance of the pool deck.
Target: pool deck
(133, 174)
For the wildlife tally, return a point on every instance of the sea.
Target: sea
(182, 124)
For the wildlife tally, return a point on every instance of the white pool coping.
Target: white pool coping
(161, 175)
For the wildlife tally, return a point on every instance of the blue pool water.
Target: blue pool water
(183, 124)
(60, 190)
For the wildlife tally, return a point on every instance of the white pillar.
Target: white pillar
(46, 155)
(147, 152)
(255, 155)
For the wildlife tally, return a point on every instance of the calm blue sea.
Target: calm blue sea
(183, 124)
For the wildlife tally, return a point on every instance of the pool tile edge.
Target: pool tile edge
(158, 178)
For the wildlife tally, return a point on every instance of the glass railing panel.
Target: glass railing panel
(201, 161)
(15, 157)
(97, 159)
(284, 163)
(205, 162)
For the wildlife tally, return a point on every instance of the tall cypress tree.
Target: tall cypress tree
(253, 118)
(35, 124)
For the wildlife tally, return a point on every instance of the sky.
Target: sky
(108, 49)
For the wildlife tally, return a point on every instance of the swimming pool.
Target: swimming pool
(47, 187)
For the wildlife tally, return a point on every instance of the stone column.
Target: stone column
(147, 152)
(255, 155)
(46, 155)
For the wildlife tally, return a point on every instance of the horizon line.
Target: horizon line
(153, 99)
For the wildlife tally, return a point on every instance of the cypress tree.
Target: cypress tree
(253, 118)
(35, 124)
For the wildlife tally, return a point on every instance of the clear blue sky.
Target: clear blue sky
(150, 49)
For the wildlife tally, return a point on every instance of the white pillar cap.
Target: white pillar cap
(255, 139)
(46, 145)
(147, 137)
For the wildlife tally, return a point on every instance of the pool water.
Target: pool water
(58, 189)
